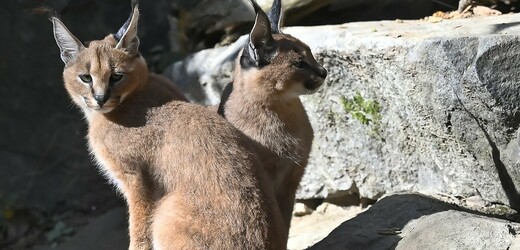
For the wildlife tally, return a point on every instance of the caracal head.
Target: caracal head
(98, 77)
(284, 64)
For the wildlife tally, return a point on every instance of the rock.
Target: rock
(408, 105)
(475, 202)
(436, 231)
(413, 221)
(301, 209)
(515, 244)
(463, 4)
(202, 76)
(446, 119)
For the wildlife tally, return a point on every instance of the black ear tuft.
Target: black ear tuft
(256, 6)
(275, 15)
(125, 26)
(45, 10)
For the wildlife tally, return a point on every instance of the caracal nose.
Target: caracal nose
(322, 72)
(101, 99)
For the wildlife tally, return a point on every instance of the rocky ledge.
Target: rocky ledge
(414, 221)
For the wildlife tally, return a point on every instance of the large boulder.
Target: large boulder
(407, 105)
(413, 221)
(416, 106)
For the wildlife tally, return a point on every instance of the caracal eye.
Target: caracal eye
(85, 78)
(299, 64)
(116, 77)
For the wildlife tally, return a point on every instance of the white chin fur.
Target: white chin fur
(103, 110)
(296, 92)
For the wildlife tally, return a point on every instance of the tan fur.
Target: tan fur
(191, 180)
(264, 104)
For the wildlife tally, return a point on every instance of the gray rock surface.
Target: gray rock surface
(458, 230)
(413, 221)
(202, 76)
(448, 115)
(437, 107)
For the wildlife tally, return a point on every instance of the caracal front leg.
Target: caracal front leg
(287, 194)
(140, 207)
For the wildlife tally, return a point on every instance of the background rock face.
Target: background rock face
(444, 124)
(411, 105)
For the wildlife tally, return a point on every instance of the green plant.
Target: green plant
(365, 111)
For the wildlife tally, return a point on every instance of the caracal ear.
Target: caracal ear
(127, 34)
(261, 41)
(275, 16)
(69, 45)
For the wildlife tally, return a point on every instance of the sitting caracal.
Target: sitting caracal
(271, 72)
(191, 180)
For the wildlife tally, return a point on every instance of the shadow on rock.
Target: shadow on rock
(407, 220)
